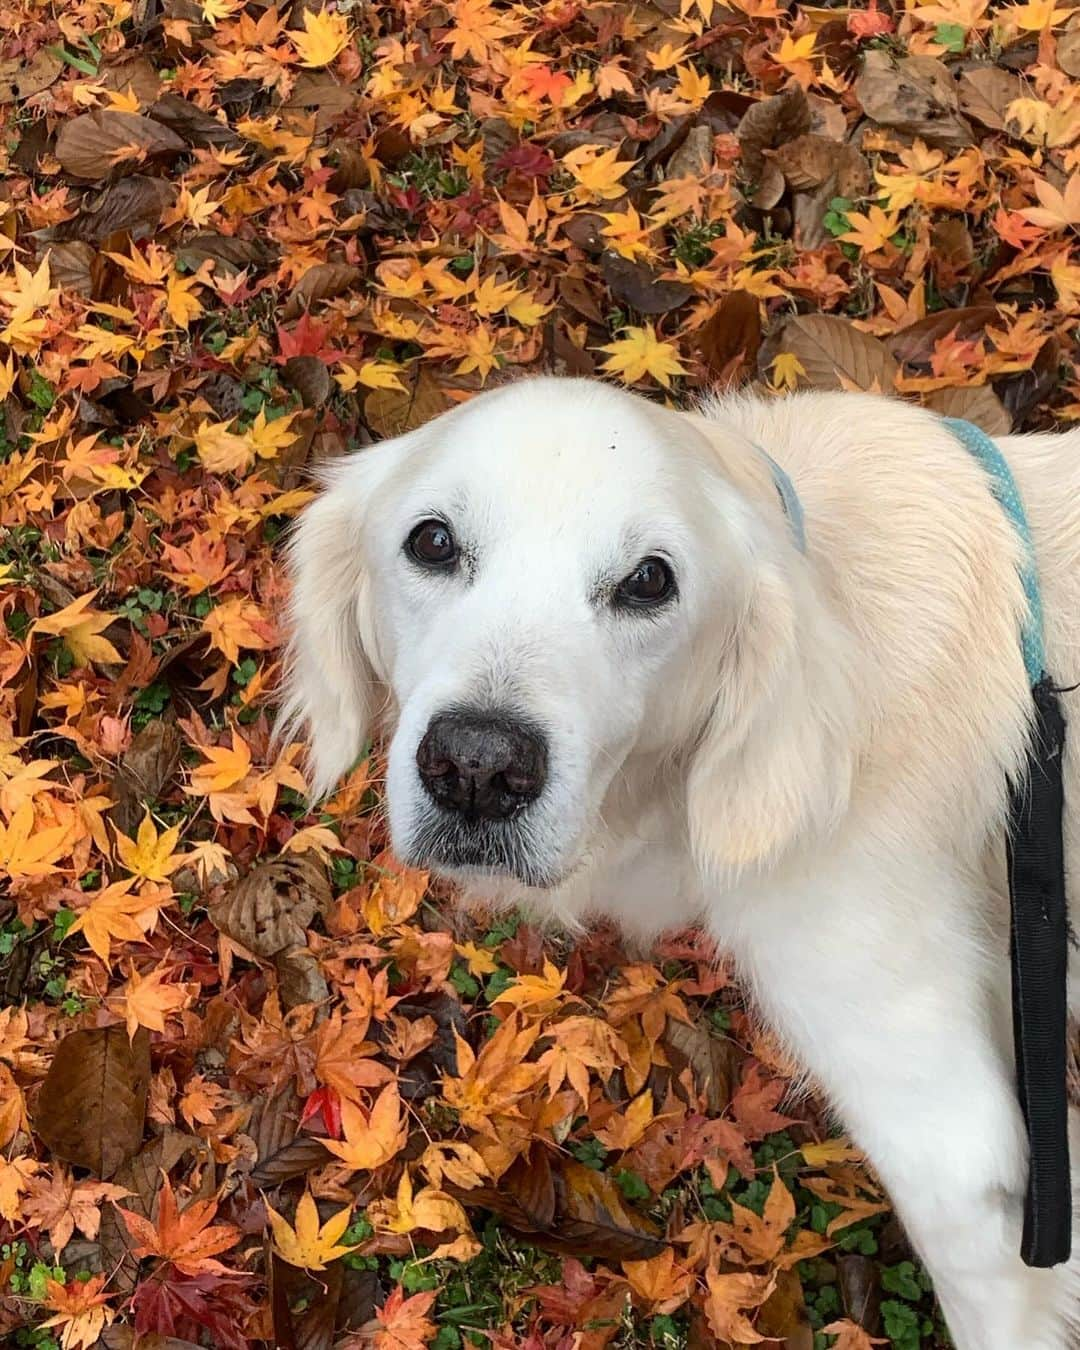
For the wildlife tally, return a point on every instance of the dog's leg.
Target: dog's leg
(895, 998)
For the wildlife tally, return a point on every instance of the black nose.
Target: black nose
(485, 767)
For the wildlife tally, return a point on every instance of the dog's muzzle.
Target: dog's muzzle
(481, 767)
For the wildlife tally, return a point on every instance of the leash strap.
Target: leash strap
(1039, 926)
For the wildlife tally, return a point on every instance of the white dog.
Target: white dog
(616, 685)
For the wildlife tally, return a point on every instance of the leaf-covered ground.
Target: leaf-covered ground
(256, 1087)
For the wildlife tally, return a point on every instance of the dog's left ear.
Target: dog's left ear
(773, 766)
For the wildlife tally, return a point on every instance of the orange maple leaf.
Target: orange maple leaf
(187, 1239)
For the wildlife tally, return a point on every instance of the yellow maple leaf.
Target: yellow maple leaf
(80, 626)
(371, 1138)
(478, 959)
(29, 291)
(529, 990)
(624, 1130)
(114, 913)
(25, 850)
(870, 231)
(597, 172)
(222, 450)
(1035, 16)
(325, 36)
(149, 1000)
(181, 303)
(224, 768)
(230, 627)
(641, 353)
(268, 436)
(149, 856)
(372, 375)
(308, 1244)
(149, 268)
(428, 1208)
(213, 11)
(14, 1179)
(786, 369)
(7, 376)
(1059, 210)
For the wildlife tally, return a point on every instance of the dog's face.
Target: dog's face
(535, 588)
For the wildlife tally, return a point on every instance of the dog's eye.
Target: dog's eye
(432, 544)
(650, 583)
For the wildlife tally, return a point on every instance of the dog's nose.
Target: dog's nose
(485, 767)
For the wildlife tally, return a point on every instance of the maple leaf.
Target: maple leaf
(374, 1138)
(597, 172)
(309, 1245)
(269, 436)
(222, 450)
(26, 850)
(786, 370)
(224, 768)
(1059, 211)
(80, 1308)
(627, 1127)
(187, 1239)
(62, 1204)
(200, 564)
(850, 1336)
(641, 353)
(659, 1282)
(534, 991)
(728, 1299)
(403, 1323)
(15, 1177)
(234, 624)
(372, 375)
(325, 36)
(872, 230)
(493, 1082)
(149, 1000)
(428, 1209)
(114, 914)
(149, 856)
(80, 626)
(754, 1102)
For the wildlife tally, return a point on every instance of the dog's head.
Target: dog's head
(531, 592)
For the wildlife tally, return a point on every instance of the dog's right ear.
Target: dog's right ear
(334, 687)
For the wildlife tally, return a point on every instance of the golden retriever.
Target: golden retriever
(615, 684)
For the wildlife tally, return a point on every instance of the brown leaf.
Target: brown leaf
(711, 1059)
(637, 286)
(230, 253)
(834, 355)
(807, 161)
(270, 909)
(594, 1220)
(914, 94)
(985, 93)
(300, 979)
(146, 769)
(194, 126)
(915, 344)
(134, 205)
(860, 1289)
(390, 412)
(294, 1160)
(311, 1326)
(72, 267)
(93, 1102)
(979, 405)
(37, 74)
(94, 145)
(1068, 47)
(770, 123)
(693, 159)
(308, 377)
(122, 1337)
(321, 282)
(1023, 390)
(783, 1315)
(575, 294)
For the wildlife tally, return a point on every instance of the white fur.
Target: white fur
(807, 753)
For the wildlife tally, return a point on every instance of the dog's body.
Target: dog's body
(807, 752)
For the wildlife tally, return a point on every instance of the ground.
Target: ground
(256, 1085)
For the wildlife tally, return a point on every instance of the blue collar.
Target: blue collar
(789, 499)
(1003, 486)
